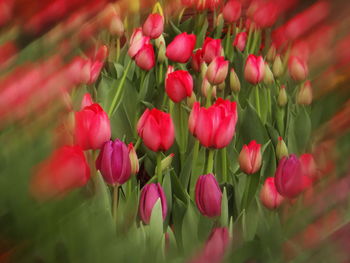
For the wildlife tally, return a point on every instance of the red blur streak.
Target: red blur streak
(6, 11)
(8, 51)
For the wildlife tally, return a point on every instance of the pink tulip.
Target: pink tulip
(150, 194)
(298, 69)
(179, 85)
(254, 69)
(156, 128)
(269, 196)
(197, 60)
(97, 62)
(214, 126)
(232, 11)
(181, 48)
(92, 127)
(137, 41)
(211, 49)
(153, 26)
(250, 158)
(86, 101)
(145, 57)
(240, 41)
(217, 71)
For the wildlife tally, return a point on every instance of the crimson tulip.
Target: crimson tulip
(214, 126)
(232, 11)
(153, 26)
(181, 48)
(250, 158)
(114, 163)
(150, 194)
(197, 60)
(254, 69)
(217, 71)
(269, 196)
(208, 196)
(211, 49)
(92, 127)
(156, 128)
(179, 85)
(240, 41)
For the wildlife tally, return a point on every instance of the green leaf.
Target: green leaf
(224, 209)
(302, 129)
(202, 33)
(177, 188)
(156, 224)
(189, 228)
(176, 30)
(250, 222)
(168, 193)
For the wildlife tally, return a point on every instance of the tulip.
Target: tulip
(153, 26)
(180, 49)
(271, 54)
(268, 78)
(86, 101)
(197, 60)
(92, 127)
(309, 169)
(205, 88)
(96, 63)
(65, 170)
(240, 41)
(298, 69)
(208, 196)
(254, 69)
(161, 54)
(160, 41)
(304, 96)
(137, 41)
(235, 84)
(277, 67)
(266, 14)
(282, 97)
(116, 27)
(150, 194)
(232, 11)
(288, 177)
(191, 100)
(156, 128)
(145, 58)
(217, 71)
(281, 149)
(179, 85)
(250, 158)
(166, 162)
(134, 161)
(211, 49)
(204, 69)
(214, 126)
(269, 196)
(114, 163)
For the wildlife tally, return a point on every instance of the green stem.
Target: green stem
(194, 176)
(160, 73)
(159, 167)
(138, 143)
(118, 49)
(269, 103)
(182, 145)
(246, 191)
(208, 99)
(255, 40)
(224, 164)
(210, 161)
(257, 100)
(249, 40)
(228, 38)
(119, 90)
(115, 201)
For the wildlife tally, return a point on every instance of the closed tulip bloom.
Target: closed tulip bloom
(86, 101)
(250, 158)
(96, 63)
(268, 78)
(208, 196)
(298, 69)
(269, 196)
(181, 48)
(304, 95)
(153, 26)
(240, 41)
(281, 149)
(211, 49)
(114, 163)
(156, 129)
(145, 57)
(235, 84)
(65, 170)
(150, 194)
(254, 70)
(197, 60)
(232, 11)
(179, 85)
(277, 67)
(205, 88)
(282, 97)
(217, 71)
(116, 26)
(214, 126)
(288, 177)
(266, 15)
(134, 161)
(137, 41)
(92, 127)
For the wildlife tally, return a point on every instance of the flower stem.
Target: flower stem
(194, 161)
(228, 38)
(115, 201)
(119, 90)
(137, 144)
(224, 164)
(257, 100)
(210, 161)
(118, 49)
(159, 167)
(209, 95)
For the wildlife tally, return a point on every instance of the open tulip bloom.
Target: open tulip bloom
(178, 131)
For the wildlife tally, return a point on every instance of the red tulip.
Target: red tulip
(137, 41)
(211, 49)
(149, 196)
(254, 69)
(232, 11)
(197, 60)
(269, 196)
(180, 49)
(250, 158)
(179, 85)
(153, 26)
(217, 71)
(156, 128)
(92, 127)
(240, 41)
(65, 170)
(215, 126)
(96, 63)
(298, 69)
(266, 15)
(145, 57)
(208, 196)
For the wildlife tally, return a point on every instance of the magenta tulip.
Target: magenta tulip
(181, 48)
(179, 85)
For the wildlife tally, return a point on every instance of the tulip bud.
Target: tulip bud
(116, 27)
(204, 69)
(197, 60)
(181, 48)
(134, 161)
(150, 194)
(250, 158)
(160, 40)
(208, 196)
(161, 54)
(221, 86)
(166, 162)
(254, 69)
(281, 149)
(232, 11)
(179, 85)
(277, 67)
(220, 21)
(240, 41)
(153, 26)
(304, 96)
(114, 163)
(271, 54)
(269, 196)
(191, 100)
(268, 78)
(217, 71)
(298, 69)
(235, 84)
(145, 58)
(211, 49)
(86, 101)
(282, 97)
(206, 87)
